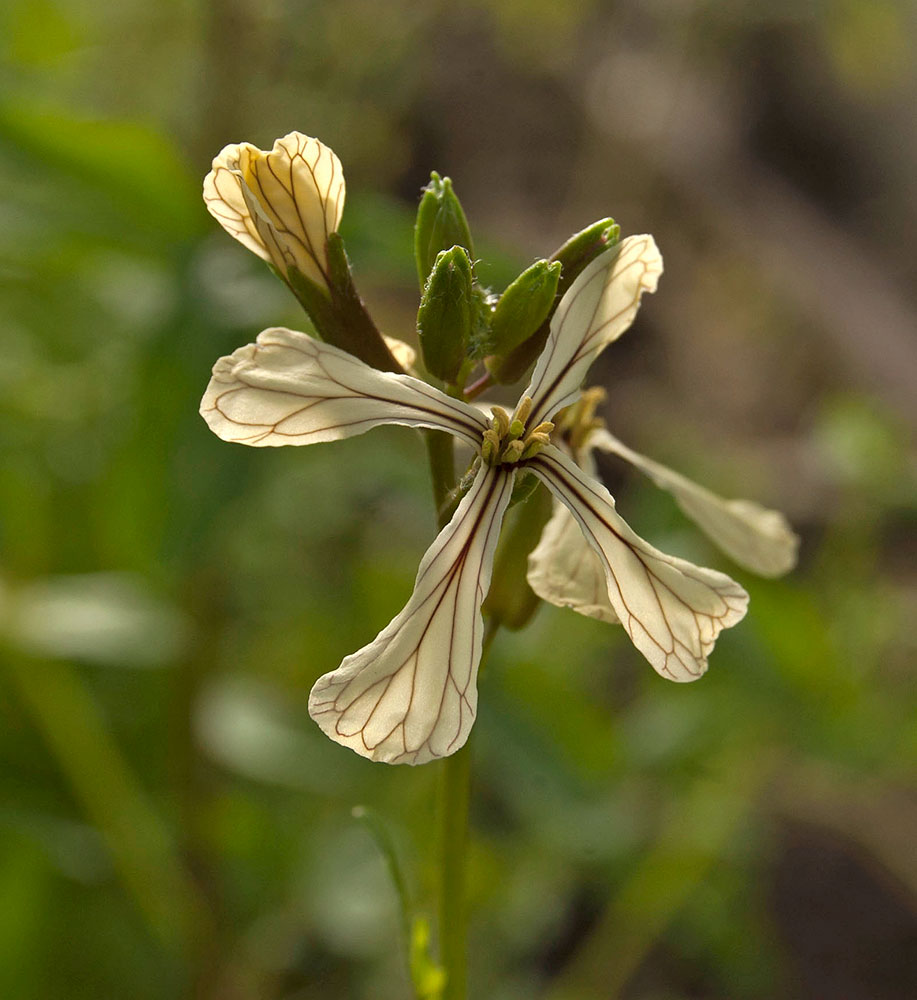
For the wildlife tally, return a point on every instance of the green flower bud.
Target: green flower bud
(524, 306)
(583, 248)
(441, 224)
(574, 255)
(445, 316)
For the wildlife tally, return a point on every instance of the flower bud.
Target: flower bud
(574, 255)
(582, 248)
(281, 204)
(441, 224)
(445, 316)
(524, 306)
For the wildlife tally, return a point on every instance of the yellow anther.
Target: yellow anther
(490, 446)
(500, 422)
(523, 410)
(544, 428)
(593, 396)
(532, 447)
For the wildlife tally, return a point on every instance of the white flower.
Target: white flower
(410, 695)
(281, 204)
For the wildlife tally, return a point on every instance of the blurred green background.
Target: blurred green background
(171, 822)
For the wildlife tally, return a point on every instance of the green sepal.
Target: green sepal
(353, 328)
(574, 255)
(444, 320)
(480, 343)
(524, 306)
(313, 298)
(441, 224)
(511, 600)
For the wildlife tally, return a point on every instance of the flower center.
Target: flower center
(507, 441)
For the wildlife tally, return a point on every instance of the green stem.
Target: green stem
(455, 794)
(440, 452)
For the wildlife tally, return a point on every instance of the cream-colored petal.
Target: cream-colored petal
(281, 204)
(410, 696)
(288, 388)
(563, 568)
(225, 201)
(597, 308)
(671, 609)
(754, 536)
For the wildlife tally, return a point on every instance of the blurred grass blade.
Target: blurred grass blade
(72, 726)
(693, 836)
(137, 170)
(427, 977)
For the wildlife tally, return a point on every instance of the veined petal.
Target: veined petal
(281, 204)
(288, 388)
(563, 567)
(225, 201)
(754, 536)
(410, 696)
(671, 609)
(597, 308)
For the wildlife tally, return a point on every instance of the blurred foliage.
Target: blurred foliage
(171, 823)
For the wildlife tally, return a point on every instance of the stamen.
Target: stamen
(506, 439)
(500, 421)
(534, 443)
(512, 452)
(523, 410)
(490, 446)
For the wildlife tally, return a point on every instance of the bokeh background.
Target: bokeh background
(171, 823)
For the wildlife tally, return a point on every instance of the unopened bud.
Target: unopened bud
(574, 255)
(524, 306)
(445, 315)
(440, 224)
